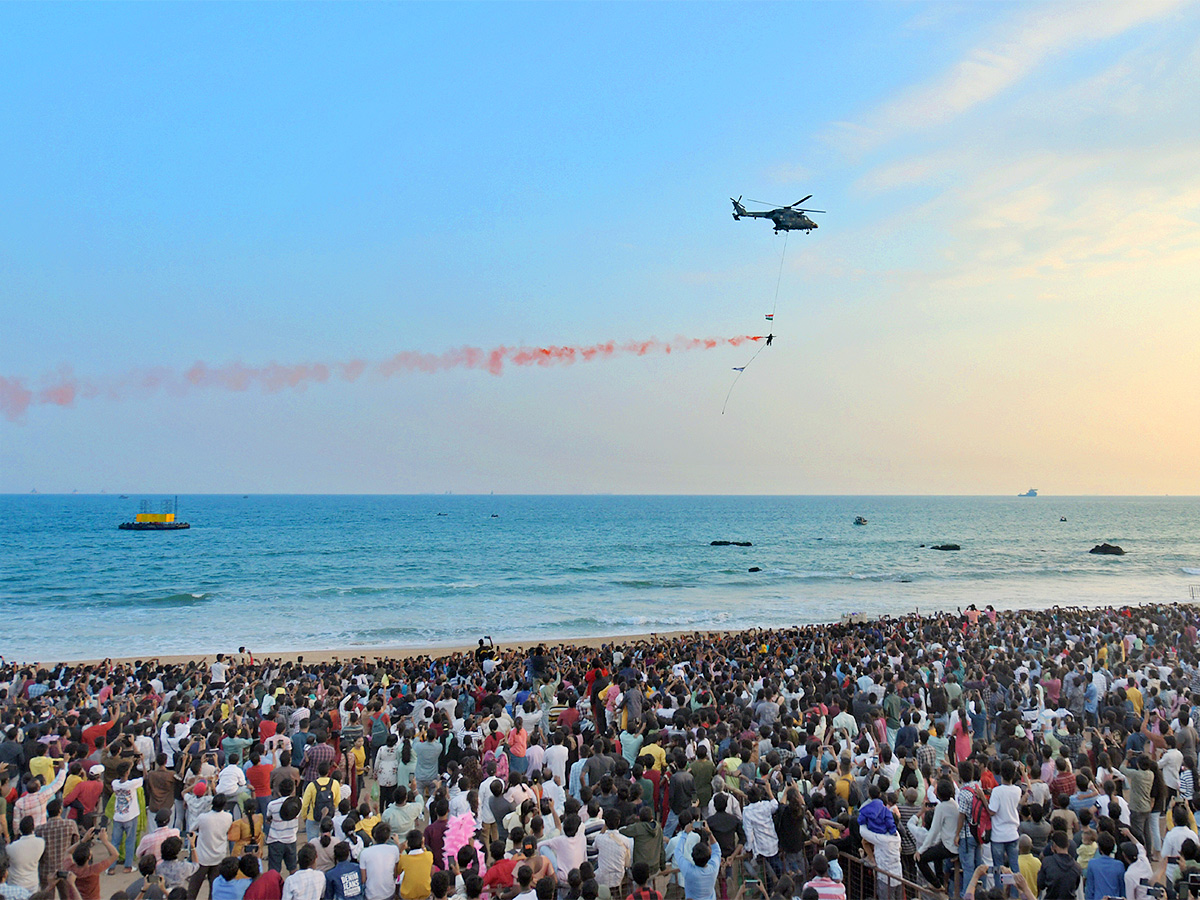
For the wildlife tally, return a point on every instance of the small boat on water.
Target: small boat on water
(1062, 518)
(163, 520)
(859, 520)
(1032, 492)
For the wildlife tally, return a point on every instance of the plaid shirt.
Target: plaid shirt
(926, 756)
(35, 804)
(1063, 783)
(313, 757)
(59, 834)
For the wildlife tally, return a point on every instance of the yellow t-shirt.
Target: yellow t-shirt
(1135, 697)
(71, 783)
(44, 766)
(659, 754)
(1029, 865)
(367, 825)
(1086, 852)
(417, 869)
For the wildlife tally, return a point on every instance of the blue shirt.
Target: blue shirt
(229, 890)
(1105, 878)
(698, 883)
(575, 778)
(343, 881)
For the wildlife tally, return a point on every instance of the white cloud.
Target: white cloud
(1017, 48)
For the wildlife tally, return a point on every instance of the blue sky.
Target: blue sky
(1002, 292)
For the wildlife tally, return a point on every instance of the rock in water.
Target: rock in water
(946, 547)
(730, 544)
(1107, 550)
(754, 569)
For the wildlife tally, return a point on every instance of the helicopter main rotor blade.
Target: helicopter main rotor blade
(798, 202)
(809, 210)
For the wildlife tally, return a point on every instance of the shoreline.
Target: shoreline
(346, 654)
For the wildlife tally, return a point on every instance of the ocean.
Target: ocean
(309, 572)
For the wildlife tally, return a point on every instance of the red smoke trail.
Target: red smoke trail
(63, 387)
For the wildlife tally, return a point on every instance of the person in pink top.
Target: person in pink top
(517, 741)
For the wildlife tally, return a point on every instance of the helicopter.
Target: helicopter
(786, 218)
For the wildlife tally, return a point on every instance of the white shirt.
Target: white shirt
(125, 807)
(556, 761)
(614, 854)
(1134, 889)
(23, 857)
(887, 850)
(1173, 842)
(378, 863)
(305, 884)
(218, 670)
(1003, 805)
(231, 780)
(553, 790)
(212, 837)
(759, 825)
(280, 831)
(1170, 763)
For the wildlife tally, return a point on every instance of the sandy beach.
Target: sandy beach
(369, 654)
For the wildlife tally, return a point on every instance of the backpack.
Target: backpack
(979, 820)
(323, 804)
(379, 731)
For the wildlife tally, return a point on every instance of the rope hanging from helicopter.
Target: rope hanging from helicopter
(770, 318)
(779, 278)
(740, 370)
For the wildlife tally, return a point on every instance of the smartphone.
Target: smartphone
(61, 875)
(1006, 878)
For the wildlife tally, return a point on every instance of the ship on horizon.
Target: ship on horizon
(1032, 492)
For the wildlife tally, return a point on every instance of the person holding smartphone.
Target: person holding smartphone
(148, 885)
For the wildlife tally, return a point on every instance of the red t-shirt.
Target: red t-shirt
(500, 874)
(267, 886)
(87, 878)
(90, 734)
(266, 729)
(260, 779)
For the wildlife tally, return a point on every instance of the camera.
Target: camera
(61, 875)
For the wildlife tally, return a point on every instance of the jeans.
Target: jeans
(1004, 855)
(128, 831)
(970, 858)
(1139, 824)
(671, 825)
(281, 854)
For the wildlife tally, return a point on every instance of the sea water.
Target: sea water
(293, 572)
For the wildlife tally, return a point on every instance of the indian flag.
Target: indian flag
(770, 317)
